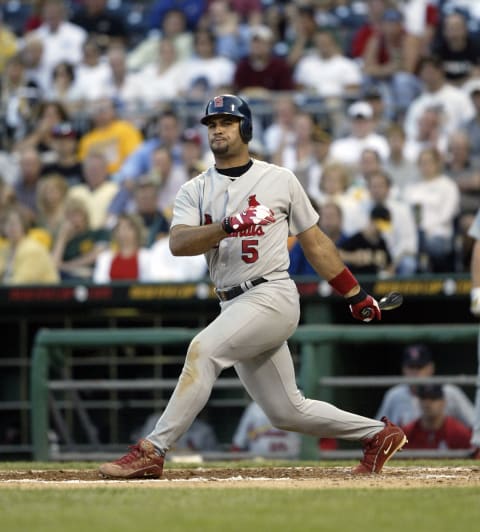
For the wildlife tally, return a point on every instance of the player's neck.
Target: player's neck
(235, 171)
(232, 161)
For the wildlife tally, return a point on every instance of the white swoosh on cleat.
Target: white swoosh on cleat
(387, 450)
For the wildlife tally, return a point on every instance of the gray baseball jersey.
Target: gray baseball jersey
(249, 254)
(252, 329)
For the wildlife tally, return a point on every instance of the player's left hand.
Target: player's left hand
(364, 307)
(475, 301)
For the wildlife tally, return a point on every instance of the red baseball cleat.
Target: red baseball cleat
(142, 461)
(378, 450)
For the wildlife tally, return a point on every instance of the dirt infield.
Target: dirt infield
(278, 477)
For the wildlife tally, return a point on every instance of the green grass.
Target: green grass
(232, 510)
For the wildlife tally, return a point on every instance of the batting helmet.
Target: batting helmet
(228, 104)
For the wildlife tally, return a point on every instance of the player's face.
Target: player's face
(224, 136)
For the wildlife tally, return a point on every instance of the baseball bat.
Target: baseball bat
(389, 302)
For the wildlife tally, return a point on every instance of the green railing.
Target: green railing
(316, 353)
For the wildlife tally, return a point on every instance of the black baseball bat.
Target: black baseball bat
(389, 302)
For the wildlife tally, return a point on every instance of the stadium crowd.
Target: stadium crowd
(373, 104)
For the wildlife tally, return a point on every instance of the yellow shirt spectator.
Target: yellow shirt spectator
(115, 138)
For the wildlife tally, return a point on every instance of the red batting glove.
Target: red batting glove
(364, 307)
(257, 215)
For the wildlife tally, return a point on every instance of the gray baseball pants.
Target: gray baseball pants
(251, 334)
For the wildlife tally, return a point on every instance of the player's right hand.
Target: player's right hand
(364, 307)
(254, 215)
(475, 301)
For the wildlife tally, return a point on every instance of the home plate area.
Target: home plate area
(287, 477)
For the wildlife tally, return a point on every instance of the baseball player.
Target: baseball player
(239, 213)
(474, 232)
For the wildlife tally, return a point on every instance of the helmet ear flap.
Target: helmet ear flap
(246, 130)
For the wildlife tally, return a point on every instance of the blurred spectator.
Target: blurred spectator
(261, 71)
(256, 434)
(462, 166)
(24, 260)
(51, 198)
(114, 137)
(384, 67)
(436, 200)
(192, 153)
(168, 132)
(327, 72)
(26, 187)
(167, 174)
(280, 129)
(62, 40)
(375, 12)
(231, 34)
(102, 24)
(330, 222)
(161, 80)
(173, 27)
(18, 100)
(320, 142)
(434, 429)
(92, 73)
(401, 169)
(472, 126)
(193, 10)
(98, 191)
(348, 150)
(123, 86)
(204, 71)
(302, 30)
(370, 163)
(77, 245)
(165, 267)
(366, 252)
(334, 185)
(374, 97)
(401, 403)
(127, 259)
(455, 106)
(429, 134)
(66, 163)
(146, 206)
(40, 137)
(64, 89)
(458, 49)
(36, 68)
(8, 44)
(296, 155)
(400, 233)
(421, 21)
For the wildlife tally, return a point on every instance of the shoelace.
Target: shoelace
(134, 453)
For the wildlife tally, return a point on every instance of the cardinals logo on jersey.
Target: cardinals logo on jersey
(252, 201)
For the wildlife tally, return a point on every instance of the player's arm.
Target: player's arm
(194, 240)
(187, 240)
(324, 257)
